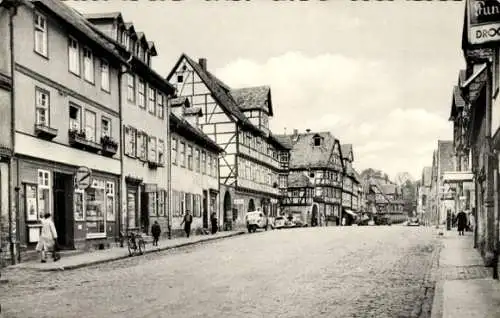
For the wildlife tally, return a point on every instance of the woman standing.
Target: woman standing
(47, 239)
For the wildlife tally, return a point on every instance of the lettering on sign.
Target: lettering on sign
(484, 21)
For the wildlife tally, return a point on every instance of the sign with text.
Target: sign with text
(484, 21)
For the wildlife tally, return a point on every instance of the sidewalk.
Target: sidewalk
(117, 253)
(464, 287)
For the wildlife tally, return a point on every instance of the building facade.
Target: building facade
(316, 156)
(144, 126)
(350, 186)
(195, 170)
(238, 121)
(423, 195)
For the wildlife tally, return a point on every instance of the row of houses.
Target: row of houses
(384, 197)
(79, 92)
(464, 175)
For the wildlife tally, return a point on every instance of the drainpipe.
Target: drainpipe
(169, 166)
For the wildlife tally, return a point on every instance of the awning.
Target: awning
(348, 211)
(471, 79)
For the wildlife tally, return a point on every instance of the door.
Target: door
(63, 211)
(205, 210)
(131, 206)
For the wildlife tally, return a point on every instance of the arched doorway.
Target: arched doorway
(251, 205)
(314, 216)
(227, 211)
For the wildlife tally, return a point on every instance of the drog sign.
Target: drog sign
(483, 21)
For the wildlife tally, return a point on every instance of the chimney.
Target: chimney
(203, 63)
(308, 130)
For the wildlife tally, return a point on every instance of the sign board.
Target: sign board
(83, 177)
(483, 19)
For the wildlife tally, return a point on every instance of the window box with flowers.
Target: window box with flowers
(109, 146)
(77, 138)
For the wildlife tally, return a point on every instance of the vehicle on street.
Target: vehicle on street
(414, 222)
(382, 220)
(256, 220)
(279, 222)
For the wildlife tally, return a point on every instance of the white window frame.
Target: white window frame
(142, 151)
(130, 141)
(78, 120)
(141, 93)
(160, 108)
(203, 162)
(105, 79)
(88, 65)
(87, 126)
(73, 56)
(161, 149)
(97, 235)
(152, 100)
(110, 195)
(197, 159)
(46, 184)
(84, 206)
(40, 26)
(103, 132)
(40, 105)
(152, 149)
(174, 150)
(131, 88)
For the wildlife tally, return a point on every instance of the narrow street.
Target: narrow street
(306, 272)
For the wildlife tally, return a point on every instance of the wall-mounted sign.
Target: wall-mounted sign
(483, 17)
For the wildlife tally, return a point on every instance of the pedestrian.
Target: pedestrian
(213, 221)
(472, 221)
(155, 231)
(47, 240)
(461, 222)
(188, 219)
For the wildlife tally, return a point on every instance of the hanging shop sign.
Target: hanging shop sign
(483, 20)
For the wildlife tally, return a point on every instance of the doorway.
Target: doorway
(251, 205)
(63, 209)
(205, 210)
(227, 223)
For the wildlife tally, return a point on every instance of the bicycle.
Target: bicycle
(135, 243)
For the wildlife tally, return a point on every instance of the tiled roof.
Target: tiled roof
(345, 149)
(285, 140)
(445, 155)
(78, 21)
(179, 101)
(193, 111)
(461, 77)
(304, 154)
(253, 98)
(357, 176)
(298, 180)
(182, 126)
(458, 98)
(426, 176)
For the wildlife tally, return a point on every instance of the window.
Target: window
(142, 92)
(152, 204)
(90, 125)
(130, 141)
(40, 34)
(197, 159)
(183, 154)
(74, 57)
(142, 141)
(95, 207)
(160, 109)
(75, 120)
(130, 88)
(161, 202)
(152, 149)
(317, 141)
(203, 162)
(43, 195)
(42, 106)
(110, 201)
(180, 78)
(152, 101)
(214, 167)
(190, 157)
(104, 76)
(209, 159)
(196, 206)
(125, 39)
(88, 65)
(161, 152)
(105, 127)
(174, 151)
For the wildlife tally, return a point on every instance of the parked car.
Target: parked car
(382, 220)
(256, 220)
(279, 222)
(414, 222)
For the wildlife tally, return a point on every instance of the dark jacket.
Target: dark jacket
(461, 221)
(155, 230)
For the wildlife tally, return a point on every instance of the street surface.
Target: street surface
(308, 272)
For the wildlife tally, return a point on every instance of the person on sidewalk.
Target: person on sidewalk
(188, 219)
(213, 221)
(461, 222)
(47, 240)
(472, 222)
(155, 231)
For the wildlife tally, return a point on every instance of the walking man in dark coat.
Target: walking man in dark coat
(155, 231)
(188, 219)
(461, 222)
(213, 221)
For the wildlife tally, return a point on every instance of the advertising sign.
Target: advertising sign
(484, 21)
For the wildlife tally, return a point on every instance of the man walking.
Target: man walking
(461, 222)
(213, 221)
(188, 219)
(155, 231)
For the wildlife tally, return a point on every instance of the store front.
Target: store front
(83, 218)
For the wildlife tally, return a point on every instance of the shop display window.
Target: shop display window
(43, 193)
(31, 191)
(78, 205)
(110, 201)
(94, 210)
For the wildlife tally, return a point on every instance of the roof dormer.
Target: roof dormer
(317, 140)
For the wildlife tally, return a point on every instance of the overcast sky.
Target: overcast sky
(377, 75)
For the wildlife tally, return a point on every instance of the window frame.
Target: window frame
(105, 66)
(203, 162)
(143, 155)
(110, 185)
(160, 100)
(131, 93)
(183, 153)
(79, 119)
(107, 119)
(151, 100)
(40, 91)
(174, 150)
(130, 139)
(190, 157)
(88, 65)
(141, 93)
(93, 113)
(197, 159)
(44, 31)
(152, 149)
(161, 150)
(75, 50)
(46, 176)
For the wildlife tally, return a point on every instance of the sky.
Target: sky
(378, 75)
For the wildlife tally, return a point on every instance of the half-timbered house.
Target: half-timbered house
(317, 156)
(238, 121)
(349, 185)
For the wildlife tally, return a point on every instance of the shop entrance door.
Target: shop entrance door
(205, 210)
(63, 209)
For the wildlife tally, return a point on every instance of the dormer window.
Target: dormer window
(317, 140)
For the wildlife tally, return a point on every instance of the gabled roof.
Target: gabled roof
(103, 15)
(184, 128)
(130, 27)
(305, 155)
(445, 155)
(285, 140)
(193, 111)
(249, 98)
(179, 101)
(79, 23)
(152, 48)
(346, 150)
(299, 180)
(457, 102)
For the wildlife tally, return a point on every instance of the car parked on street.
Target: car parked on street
(256, 220)
(413, 222)
(279, 222)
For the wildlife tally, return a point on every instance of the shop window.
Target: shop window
(44, 190)
(161, 202)
(196, 205)
(42, 106)
(94, 209)
(75, 118)
(110, 201)
(203, 162)
(152, 204)
(90, 130)
(31, 191)
(78, 205)
(40, 34)
(130, 141)
(174, 151)
(88, 65)
(188, 202)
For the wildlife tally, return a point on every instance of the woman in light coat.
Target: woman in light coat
(48, 238)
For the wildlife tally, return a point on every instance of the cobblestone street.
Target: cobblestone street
(307, 272)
